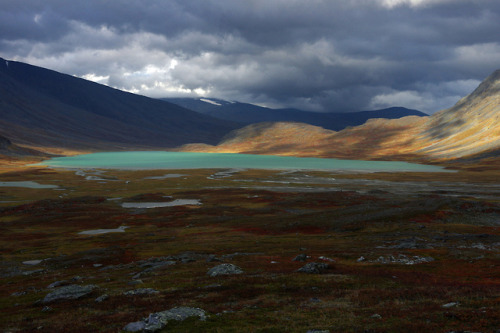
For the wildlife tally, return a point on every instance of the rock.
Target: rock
(157, 321)
(449, 305)
(19, 293)
(314, 268)
(136, 326)
(33, 272)
(318, 331)
(301, 257)
(224, 269)
(141, 291)
(58, 284)
(101, 298)
(376, 316)
(46, 309)
(69, 292)
(402, 259)
(212, 258)
(135, 282)
(360, 259)
(326, 259)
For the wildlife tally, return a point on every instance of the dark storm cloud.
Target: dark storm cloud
(318, 54)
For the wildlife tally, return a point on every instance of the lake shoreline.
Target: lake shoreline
(154, 160)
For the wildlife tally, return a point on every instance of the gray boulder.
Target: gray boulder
(69, 292)
(141, 292)
(157, 321)
(224, 269)
(301, 257)
(313, 268)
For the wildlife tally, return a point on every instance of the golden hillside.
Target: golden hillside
(469, 128)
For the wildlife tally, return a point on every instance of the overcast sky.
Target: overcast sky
(321, 55)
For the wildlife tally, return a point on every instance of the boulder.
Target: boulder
(69, 292)
(157, 321)
(141, 292)
(313, 268)
(224, 269)
(301, 257)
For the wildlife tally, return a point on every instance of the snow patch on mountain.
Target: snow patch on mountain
(210, 101)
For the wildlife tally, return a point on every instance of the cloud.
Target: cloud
(318, 55)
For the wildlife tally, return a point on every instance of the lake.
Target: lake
(150, 160)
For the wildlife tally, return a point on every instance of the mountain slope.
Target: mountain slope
(469, 128)
(250, 114)
(45, 108)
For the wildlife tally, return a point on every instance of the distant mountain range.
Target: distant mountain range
(44, 108)
(470, 128)
(250, 114)
(58, 113)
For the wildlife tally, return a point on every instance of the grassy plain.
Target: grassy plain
(259, 220)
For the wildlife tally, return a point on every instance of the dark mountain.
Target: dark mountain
(250, 113)
(44, 108)
(8, 149)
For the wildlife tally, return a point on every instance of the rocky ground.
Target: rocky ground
(263, 251)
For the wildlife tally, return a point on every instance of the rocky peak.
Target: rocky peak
(490, 87)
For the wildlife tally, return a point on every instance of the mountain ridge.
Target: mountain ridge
(470, 128)
(247, 113)
(45, 108)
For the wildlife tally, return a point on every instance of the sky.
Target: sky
(316, 55)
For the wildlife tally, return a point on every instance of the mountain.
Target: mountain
(470, 128)
(250, 114)
(8, 149)
(44, 108)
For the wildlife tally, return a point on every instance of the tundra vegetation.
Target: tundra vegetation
(298, 251)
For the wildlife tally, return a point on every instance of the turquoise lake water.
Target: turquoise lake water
(179, 160)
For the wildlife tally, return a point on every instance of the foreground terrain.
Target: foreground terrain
(417, 252)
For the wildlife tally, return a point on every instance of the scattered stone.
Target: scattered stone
(58, 284)
(376, 316)
(212, 258)
(301, 257)
(19, 293)
(402, 259)
(32, 262)
(314, 268)
(69, 292)
(135, 282)
(213, 286)
(450, 305)
(157, 321)
(315, 300)
(136, 326)
(408, 243)
(101, 298)
(318, 331)
(141, 291)
(360, 259)
(46, 309)
(33, 272)
(224, 269)
(326, 259)
(97, 265)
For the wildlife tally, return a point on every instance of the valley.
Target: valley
(344, 252)
(249, 247)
